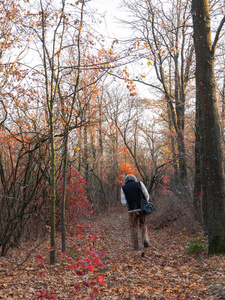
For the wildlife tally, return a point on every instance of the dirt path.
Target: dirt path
(165, 271)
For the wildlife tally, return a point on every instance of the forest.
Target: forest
(80, 110)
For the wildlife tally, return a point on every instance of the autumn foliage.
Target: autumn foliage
(86, 268)
(74, 123)
(125, 169)
(77, 204)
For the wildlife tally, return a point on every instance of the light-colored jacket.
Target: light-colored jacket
(144, 190)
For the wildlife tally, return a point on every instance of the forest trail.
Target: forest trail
(164, 272)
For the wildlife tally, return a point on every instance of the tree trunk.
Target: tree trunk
(53, 189)
(223, 107)
(180, 110)
(65, 164)
(198, 164)
(212, 147)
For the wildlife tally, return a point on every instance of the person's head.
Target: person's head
(128, 178)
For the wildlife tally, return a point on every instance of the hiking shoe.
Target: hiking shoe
(146, 245)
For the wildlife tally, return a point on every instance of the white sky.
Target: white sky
(110, 27)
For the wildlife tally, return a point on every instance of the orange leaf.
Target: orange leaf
(72, 266)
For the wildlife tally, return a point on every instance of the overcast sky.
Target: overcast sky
(112, 29)
(111, 26)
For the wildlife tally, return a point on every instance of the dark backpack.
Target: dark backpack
(146, 206)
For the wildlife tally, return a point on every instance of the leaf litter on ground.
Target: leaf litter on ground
(165, 271)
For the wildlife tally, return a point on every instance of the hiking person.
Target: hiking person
(131, 196)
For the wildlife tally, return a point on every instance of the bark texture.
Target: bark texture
(212, 163)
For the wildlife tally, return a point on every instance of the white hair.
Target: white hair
(129, 177)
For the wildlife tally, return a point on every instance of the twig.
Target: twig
(20, 264)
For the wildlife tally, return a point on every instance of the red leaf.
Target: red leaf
(100, 264)
(92, 296)
(103, 253)
(62, 254)
(42, 273)
(92, 237)
(52, 248)
(91, 268)
(78, 272)
(77, 287)
(88, 260)
(80, 226)
(93, 254)
(52, 296)
(103, 282)
(96, 260)
(42, 295)
(81, 261)
(85, 283)
(90, 212)
(69, 259)
(95, 290)
(39, 258)
(83, 267)
(100, 278)
(93, 282)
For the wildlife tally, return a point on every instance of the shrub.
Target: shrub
(197, 244)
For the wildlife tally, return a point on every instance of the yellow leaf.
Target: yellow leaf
(150, 63)
(142, 75)
(170, 290)
(193, 284)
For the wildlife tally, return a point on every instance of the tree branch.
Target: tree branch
(217, 35)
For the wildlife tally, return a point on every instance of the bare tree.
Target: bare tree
(165, 31)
